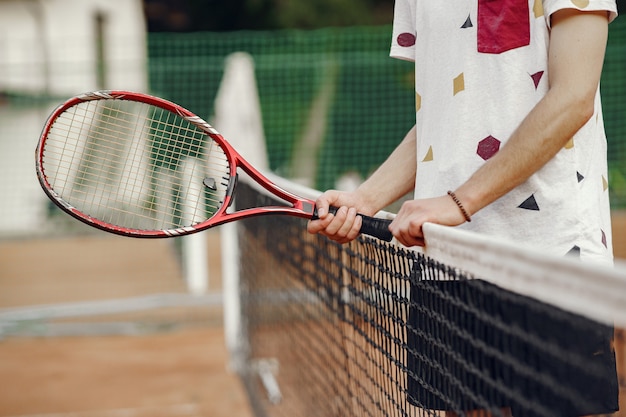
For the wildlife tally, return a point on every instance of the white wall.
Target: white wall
(51, 45)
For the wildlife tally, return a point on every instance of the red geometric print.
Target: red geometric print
(503, 25)
(537, 78)
(488, 147)
(406, 40)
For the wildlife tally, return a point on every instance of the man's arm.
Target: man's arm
(395, 177)
(576, 54)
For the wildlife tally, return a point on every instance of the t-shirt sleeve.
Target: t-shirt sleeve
(403, 42)
(552, 6)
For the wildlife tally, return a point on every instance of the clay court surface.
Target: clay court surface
(176, 366)
(179, 373)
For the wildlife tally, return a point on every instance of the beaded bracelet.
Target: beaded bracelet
(458, 203)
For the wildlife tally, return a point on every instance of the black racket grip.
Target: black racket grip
(371, 226)
(378, 228)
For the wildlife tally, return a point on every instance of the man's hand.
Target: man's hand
(407, 226)
(344, 225)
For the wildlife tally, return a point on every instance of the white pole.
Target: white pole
(194, 247)
(233, 331)
(238, 118)
(196, 263)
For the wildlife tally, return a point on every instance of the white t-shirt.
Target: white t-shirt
(480, 67)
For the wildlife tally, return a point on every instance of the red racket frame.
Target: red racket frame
(301, 207)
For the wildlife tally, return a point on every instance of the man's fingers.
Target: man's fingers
(342, 226)
(319, 225)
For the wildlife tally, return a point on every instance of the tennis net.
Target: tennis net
(374, 329)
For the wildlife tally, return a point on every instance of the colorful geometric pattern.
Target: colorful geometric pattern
(455, 101)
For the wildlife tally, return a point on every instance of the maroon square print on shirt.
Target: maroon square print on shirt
(503, 25)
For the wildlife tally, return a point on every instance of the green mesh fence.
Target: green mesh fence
(613, 86)
(340, 82)
(343, 83)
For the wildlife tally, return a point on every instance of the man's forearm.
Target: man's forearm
(538, 139)
(395, 177)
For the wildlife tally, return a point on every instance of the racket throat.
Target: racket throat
(229, 182)
(308, 207)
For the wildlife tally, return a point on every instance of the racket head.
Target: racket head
(135, 165)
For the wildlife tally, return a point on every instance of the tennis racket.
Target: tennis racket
(140, 166)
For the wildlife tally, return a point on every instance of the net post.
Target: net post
(194, 247)
(195, 263)
(238, 118)
(238, 110)
(231, 293)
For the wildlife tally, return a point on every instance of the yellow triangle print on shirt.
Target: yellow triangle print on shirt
(581, 3)
(570, 144)
(418, 102)
(538, 8)
(605, 184)
(459, 83)
(429, 155)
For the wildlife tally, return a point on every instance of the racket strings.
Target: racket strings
(134, 165)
